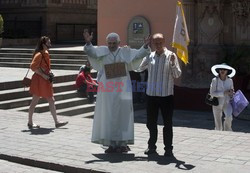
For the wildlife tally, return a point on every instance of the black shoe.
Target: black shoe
(124, 149)
(168, 153)
(32, 126)
(91, 101)
(150, 151)
(110, 150)
(60, 124)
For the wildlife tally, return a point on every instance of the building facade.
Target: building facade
(219, 31)
(62, 20)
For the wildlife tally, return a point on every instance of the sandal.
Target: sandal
(60, 124)
(32, 126)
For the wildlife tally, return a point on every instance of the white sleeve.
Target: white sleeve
(93, 58)
(144, 65)
(213, 89)
(175, 68)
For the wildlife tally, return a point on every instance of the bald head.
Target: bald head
(158, 41)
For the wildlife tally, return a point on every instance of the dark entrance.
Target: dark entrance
(73, 33)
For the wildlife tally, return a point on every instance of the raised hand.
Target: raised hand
(172, 59)
(147, 41)
(87, 37)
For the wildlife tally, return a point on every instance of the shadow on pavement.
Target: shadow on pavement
(40, 131)
(161, 160)
(193, 119)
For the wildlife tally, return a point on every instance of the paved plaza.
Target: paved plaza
(197, 148)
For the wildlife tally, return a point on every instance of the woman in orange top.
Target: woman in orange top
(41, 82)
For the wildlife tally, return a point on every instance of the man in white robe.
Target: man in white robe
(113, 124)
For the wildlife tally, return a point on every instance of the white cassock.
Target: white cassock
(114, 115)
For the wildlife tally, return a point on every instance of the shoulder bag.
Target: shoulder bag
(212, 101)
(26, 81)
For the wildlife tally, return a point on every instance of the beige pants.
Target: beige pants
(217, 111)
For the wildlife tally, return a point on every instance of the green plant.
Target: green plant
(1, 25)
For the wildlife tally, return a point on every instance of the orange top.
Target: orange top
(40, 86)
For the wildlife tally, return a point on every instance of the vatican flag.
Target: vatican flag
(180, 37)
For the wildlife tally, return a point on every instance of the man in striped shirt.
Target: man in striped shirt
(163, 67)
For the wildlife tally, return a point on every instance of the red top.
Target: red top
(82, 78)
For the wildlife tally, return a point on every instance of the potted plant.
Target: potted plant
(1, 29)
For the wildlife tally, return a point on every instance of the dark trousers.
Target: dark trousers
(166, 105)
(83, 89)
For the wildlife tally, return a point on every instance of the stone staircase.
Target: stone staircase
(60, 59)
(68, 103)
(14, 96)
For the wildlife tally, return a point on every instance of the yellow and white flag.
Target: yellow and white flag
(180, 37)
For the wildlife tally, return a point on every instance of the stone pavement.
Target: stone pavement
(7, 167)
(197, 148)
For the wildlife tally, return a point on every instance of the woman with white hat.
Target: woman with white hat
(222, 87)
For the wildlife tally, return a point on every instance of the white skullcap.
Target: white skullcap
(113, 35)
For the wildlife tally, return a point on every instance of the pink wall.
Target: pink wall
(114, 16)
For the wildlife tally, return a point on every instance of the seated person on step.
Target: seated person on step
(85, 84)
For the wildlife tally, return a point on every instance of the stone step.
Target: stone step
(19, 86)
(53, 61)
(16, 50)
(16, 55)
(77, 110)
(53, 66)
(25, 101)
(30, 51)
(87, 114)
(19, 93)
(68, 103)
(53, 56)
(60, 104)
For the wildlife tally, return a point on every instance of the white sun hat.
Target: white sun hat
(231, 70)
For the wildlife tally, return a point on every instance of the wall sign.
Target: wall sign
(138, 29)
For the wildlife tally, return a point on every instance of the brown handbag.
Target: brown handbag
(26, 81)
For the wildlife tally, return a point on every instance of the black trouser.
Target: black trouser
(83, 89)
(166, 105)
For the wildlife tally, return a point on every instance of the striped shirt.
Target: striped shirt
(161, 73)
